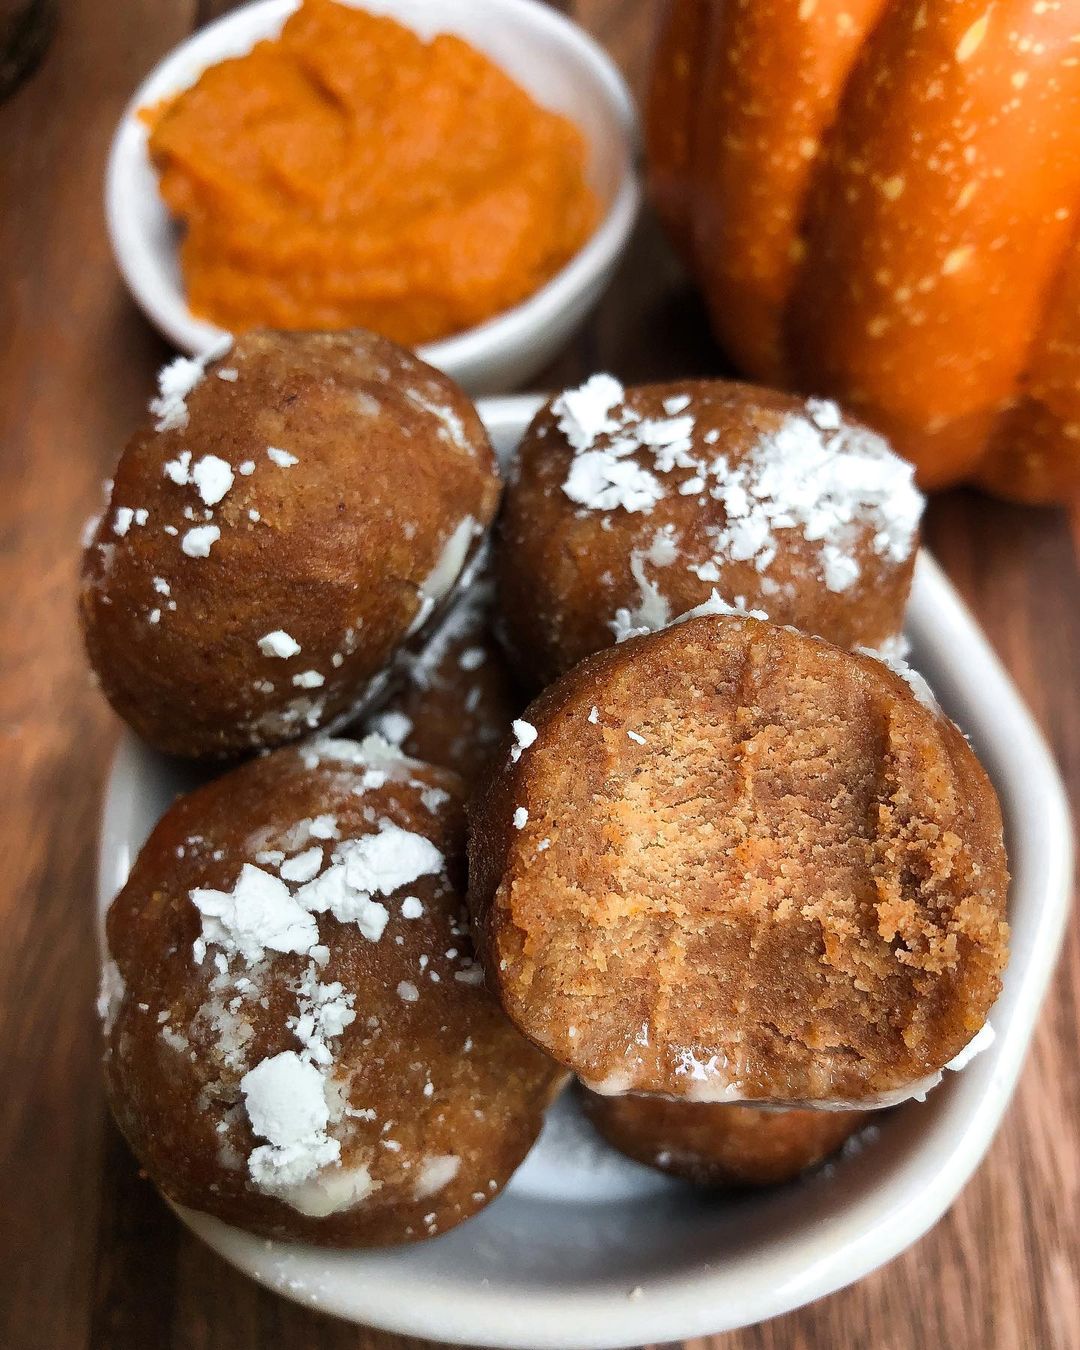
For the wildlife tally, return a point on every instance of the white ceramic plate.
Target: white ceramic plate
(558, 63)
(586, 1249)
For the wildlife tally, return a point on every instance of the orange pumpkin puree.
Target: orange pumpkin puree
(347, 173)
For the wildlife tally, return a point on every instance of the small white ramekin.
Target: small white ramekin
(559, 64)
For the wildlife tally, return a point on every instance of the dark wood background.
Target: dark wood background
(88, 1255)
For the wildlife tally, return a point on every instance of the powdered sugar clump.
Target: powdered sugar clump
(213, 477)
(175, 382)
(394, 857)
(197, 542)
(324, 1011)
(824, 413)
(286, 1104)
(584, 413)
(258, 913)
(278, 643)
(393, 725)
(302, 866)
(524, 736)
(603, 481)
(178, 470)
(436, 1173)
(376, 864)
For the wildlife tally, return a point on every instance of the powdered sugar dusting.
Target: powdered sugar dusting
(292, 1099)
(824, 482)
(602, 478)
(888, 656)
(811, 473)
(604, 432)
(652, 611)
(715, 605)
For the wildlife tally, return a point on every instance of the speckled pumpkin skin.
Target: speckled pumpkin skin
(878, 198)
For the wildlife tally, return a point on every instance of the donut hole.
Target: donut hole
(716, 1145)
(753, 886)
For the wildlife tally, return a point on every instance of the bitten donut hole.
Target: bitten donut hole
(749, 887)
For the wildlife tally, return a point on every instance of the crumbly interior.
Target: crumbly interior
(786, 884)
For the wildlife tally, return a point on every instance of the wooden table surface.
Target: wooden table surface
(88, 1254)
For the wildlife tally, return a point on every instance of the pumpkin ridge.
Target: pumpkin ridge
(674, 89)
(1034, 450)
(928, 255)
(913, 257)
(776, 73)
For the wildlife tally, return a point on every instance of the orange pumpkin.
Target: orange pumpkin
(879, 199)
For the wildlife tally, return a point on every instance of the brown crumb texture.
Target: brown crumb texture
(754, 866)
(572, 578)
(458, 697)
(324, 486)
(712, 1144)
(433, 1096)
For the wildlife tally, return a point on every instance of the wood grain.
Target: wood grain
(89, 1256)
